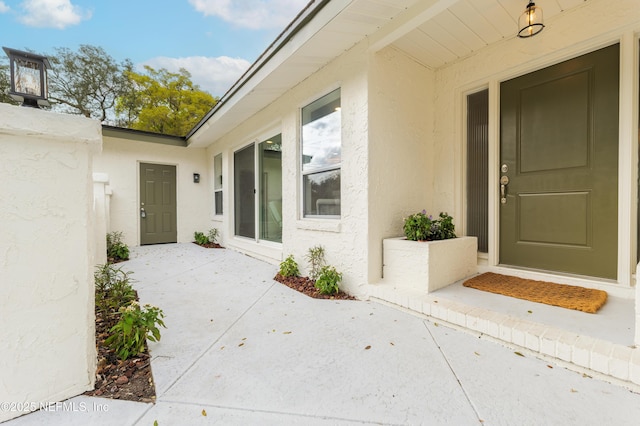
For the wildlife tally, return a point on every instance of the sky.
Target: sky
(215, 40)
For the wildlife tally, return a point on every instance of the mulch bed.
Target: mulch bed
(306, 286)
(129, 380)
(209, 245)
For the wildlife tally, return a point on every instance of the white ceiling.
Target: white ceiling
(433, 32)
(467, 26)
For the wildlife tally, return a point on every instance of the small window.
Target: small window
(322, 156)
(217, 184)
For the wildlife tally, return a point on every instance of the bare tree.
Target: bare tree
(87, 82)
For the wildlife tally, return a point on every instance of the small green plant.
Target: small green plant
(136, 324)
(289, 267)
(315, 257)
(113, 287)
(328, 279)
(200, 238)
(420, 227)
(213, 235)
(117, 250)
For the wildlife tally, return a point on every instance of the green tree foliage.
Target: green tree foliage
(87, 82)
(163, 102)
(5, 82)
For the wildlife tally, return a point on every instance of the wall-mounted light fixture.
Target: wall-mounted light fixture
(196, 178)
(530, 22)
(29, 83)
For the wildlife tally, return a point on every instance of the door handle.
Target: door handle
(504, 181)
(143, 213)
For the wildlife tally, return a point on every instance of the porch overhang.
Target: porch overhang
(432, 32)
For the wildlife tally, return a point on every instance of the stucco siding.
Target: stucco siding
(344, 239)
(401, 99)
(120, 160)
(46, 256)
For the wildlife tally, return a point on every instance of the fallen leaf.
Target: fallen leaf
(549, 366)
(367, 347)
(286, 332)
(241, 344)
(244, 338)
(586, 376)
(477, 353)
(530, 312)
(204, 413)
(155, 423)
(436, 324)
(573, 390)
(391, 343)
(222, 347)
(518, 353)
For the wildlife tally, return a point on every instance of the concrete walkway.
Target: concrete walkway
(241, 349)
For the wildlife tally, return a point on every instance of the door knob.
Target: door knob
(143, 213)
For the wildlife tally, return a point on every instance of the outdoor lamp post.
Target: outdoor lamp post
(28, 78)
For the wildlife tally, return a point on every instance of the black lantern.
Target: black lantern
(28, 77)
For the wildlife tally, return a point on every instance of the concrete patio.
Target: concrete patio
(244, 349)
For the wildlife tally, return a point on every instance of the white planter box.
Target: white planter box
(428, 265)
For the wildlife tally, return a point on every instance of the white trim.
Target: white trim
(627, 158)
(494, 172)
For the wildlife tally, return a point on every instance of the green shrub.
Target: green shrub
(136, 324)
(289, 267)
(201, 238)
(213, 235)
(328, 279)
(112, 287)
(116, 249)
(420, 227)
(315, 257)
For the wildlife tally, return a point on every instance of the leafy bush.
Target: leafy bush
(315, 257)
(136, 324)
(420, 227)
(289, 267)
(201, 238)
(328, 279)
(116, 249)
(213, 235)
(113, 287)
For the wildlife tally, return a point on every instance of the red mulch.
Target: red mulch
(209, 245)
(306, 286)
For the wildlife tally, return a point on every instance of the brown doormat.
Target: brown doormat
(566, 296)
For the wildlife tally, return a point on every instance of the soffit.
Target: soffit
(433, 32)
(466, 26)
(335, 29)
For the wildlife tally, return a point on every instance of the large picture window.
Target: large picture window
(321, 156)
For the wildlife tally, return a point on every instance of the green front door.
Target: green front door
(559, 167)
(157, 204)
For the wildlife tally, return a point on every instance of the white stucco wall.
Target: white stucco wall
(344, 239)
(120, 160)
(47, 325)
(400, 142)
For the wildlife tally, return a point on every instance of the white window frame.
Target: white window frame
(217, 186)
(332, 167)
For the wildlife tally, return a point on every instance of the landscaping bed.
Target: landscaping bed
(306, 286)
(129, 380)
